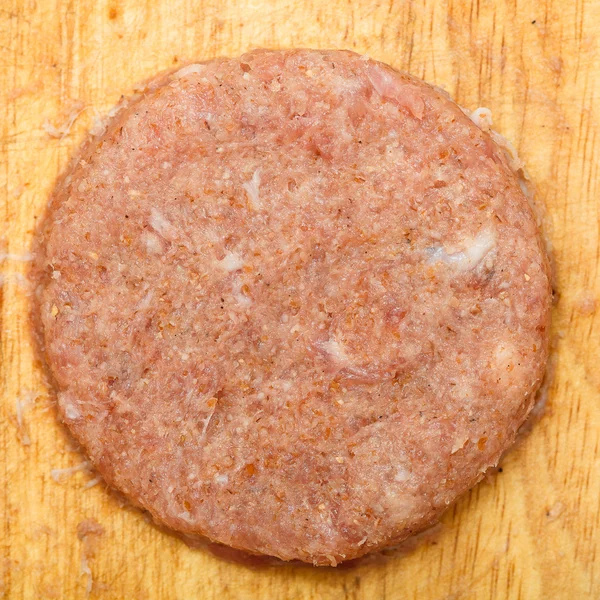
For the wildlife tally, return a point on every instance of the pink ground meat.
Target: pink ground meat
(295, 302)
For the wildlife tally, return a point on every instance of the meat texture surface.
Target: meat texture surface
(295, 302)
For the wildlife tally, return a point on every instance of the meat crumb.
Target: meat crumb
(23, 404)
(482, 117)
(252, 188)
(89, 527)
(586, 303)
(19, 92)
(61, 131)
(17, 191)
(555, 511)
(92, 482)
(89, 532)
(61, 475)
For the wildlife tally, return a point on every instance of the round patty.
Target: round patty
(295, 302)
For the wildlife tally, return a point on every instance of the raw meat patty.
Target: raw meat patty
(295, 302)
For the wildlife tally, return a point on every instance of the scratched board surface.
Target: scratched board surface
(530, 532)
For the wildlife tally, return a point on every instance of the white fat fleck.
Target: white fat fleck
(159, 223)
(71, 412)
(115, 110)
(402, 474)
(240, 298)
(462, 391)
(458, 444)
(146, 300)
(482, 117)
(100, 124)
(509, 150)
(473, 253)
(231, 262)
(189, 70)
(243, 300)
(334, 349)
(504, 357)
(381, 80)
(211, 410)
(525, 188)
(283, 384)
(186, 516)
(398, 503)
(153, 245)
(222, 479)
(252, 188)
(98, 127)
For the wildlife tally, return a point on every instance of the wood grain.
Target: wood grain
(532, 532)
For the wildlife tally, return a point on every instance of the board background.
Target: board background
(530, 533)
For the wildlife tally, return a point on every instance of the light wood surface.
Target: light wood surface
(533, 531)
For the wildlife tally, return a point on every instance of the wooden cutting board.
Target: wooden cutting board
(530, 532)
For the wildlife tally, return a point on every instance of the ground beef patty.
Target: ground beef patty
(295, 302)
